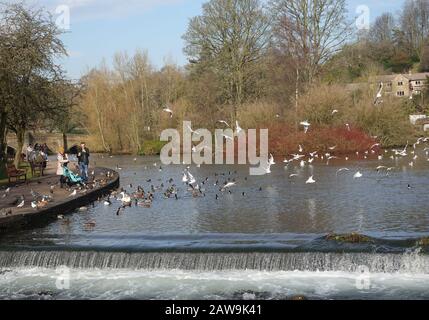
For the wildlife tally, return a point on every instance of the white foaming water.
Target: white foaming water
(40, 283)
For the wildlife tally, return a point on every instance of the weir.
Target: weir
(311, 261)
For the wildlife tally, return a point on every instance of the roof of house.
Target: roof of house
(417, 76)
(391, 77)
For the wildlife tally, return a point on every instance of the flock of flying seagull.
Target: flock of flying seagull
(224, 182)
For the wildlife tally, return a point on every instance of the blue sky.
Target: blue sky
(99, 28)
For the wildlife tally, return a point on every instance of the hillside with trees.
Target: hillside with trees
(268, 65)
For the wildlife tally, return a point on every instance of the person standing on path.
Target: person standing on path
(62, 161)
(83, 161)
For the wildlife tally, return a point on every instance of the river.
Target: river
(265, 239)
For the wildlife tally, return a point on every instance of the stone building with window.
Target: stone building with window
(403, 85)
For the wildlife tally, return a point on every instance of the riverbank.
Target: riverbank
(61, 201)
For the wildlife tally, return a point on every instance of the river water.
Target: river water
(262, 240)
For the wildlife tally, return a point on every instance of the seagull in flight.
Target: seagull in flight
(271, 162)
(310, 180)
(227, 137)
(229, 185)
(192, 131)
(224, 122)
(168, 110)
(379, 95)
(306, 125)
(238, 129)
(329, 159)
(342, 170)
(297, 156)
(185, 178)
(358, 175)
(191, 178)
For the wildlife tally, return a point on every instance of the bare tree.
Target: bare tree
(310, 31)
(414, 22)
(382, 30)
(230, 37)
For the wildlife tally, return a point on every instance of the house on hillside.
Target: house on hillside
(402, 85)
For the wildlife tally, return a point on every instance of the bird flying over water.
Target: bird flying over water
(311, 180)
(342, 169)
(191, 179)
(271, 162)
(229, 185)
(358, 175)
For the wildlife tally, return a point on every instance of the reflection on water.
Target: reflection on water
(377, 204)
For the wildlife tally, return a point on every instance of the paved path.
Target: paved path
(102, 182)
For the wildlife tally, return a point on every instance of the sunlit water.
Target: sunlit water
(276, 213)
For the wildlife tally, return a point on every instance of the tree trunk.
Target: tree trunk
(3, 142)
(296, 100)
(65, 142)
(100, 127)
(20, 135)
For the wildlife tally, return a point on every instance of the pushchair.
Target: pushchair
(71, 178)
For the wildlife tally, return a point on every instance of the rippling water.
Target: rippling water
(285, 212)
(276, 214)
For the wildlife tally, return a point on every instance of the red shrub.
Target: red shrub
(284, 140)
